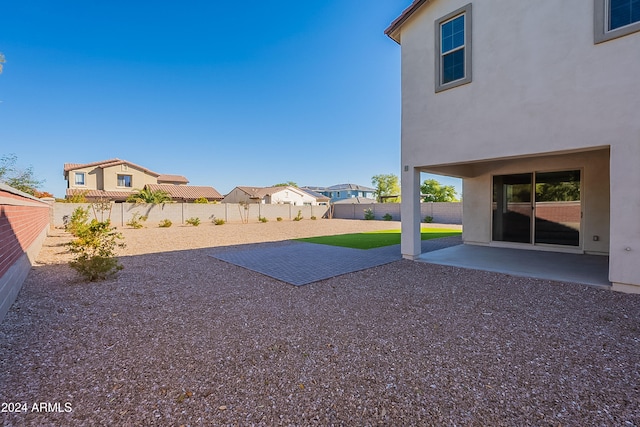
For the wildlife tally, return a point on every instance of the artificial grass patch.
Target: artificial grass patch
(376, 239)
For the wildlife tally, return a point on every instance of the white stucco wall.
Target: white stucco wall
(292, 196)
(540, 85)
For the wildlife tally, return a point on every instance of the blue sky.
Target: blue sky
(224, 93)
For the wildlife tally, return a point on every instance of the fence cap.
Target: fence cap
(9, 189)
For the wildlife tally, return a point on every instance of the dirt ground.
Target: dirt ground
(180, 338)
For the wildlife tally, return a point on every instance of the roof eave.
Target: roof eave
(393, 31)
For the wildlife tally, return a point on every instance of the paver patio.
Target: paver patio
(301, 263)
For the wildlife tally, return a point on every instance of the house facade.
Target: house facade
(271, 195)
(536, 106)
(346, 191)
(113, 179)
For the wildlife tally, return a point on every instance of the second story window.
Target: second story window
(453, 49)
(623, 13)
(124, 180)
(79, 178)
(615, 18)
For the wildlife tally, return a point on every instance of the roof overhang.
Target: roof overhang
(393, 31)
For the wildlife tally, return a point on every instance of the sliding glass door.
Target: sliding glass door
(539, 208)
(512, 208)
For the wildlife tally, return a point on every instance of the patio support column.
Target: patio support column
(624, 250)
(411, 244)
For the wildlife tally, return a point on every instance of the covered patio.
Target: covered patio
(564, 267)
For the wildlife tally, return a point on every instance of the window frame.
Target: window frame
(601, 24)
(75, 179)
(124, 175)
(466, 11)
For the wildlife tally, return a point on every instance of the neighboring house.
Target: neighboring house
(270, 195)
(356, 201)
(345, 191)
(535, 105)
(321, 199)
(187, 193)
(117, 179)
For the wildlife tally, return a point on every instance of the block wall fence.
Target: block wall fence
(441, 212)
(177, 213)
(24, 223)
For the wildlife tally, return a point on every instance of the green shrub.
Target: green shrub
(78, 222)
(218, 221)
(262, 219)
(202, 200)
(95, 251)
(279, 219)
(313, 217)
(165, 223)
(298, 217)
(193, 221)
(428, 219)
(136, 220)
(387, 217)
(77, 197)
(369, 215)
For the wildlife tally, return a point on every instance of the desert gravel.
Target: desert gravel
(179, 338)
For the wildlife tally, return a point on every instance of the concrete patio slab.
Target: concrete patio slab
(576, 268)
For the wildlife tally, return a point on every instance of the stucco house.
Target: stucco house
(270, 195)
(116, 179)
(536, 106)
(346, 191)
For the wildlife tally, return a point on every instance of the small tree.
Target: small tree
(77, 197)
(286, 184)
(20, 179)
(387, 187)
(95, 251)
(78, 221)
(147, 195)
(434, 191)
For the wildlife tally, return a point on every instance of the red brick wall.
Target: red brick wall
(21, 222)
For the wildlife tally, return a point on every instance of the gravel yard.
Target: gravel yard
(180, 338)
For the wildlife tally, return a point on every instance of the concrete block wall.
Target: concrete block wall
(441, 212)
(178, 213)
(24, 223)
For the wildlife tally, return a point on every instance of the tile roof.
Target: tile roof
(392, 30)
(172, 178)
(100, 194)
(72, 166)
(107, 163)
(187, 192)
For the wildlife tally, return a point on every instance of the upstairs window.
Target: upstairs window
(615, 18)
(623, 13)
(453, 49)
(124, 180)
(79, 178)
